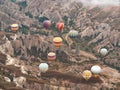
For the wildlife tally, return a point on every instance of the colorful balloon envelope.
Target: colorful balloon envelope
(103, 51)
(43, 67)
(73, 34)
(51, 56)
(14, 27)
(87, 74)
(60, 26)
(57, 41)
(46, 24)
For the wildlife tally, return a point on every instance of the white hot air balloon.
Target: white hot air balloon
(103, 51)
(96, 70)
(43, 67)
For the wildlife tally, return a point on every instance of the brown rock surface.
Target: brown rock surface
(98, 27)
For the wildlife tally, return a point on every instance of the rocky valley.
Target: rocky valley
(21, 52)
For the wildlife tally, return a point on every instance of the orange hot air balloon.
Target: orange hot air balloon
(87, 74)
(51, 56)
(57, 41)
(14, 27)
(60, 26)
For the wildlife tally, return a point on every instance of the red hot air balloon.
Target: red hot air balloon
(60, 26)
(46, 24)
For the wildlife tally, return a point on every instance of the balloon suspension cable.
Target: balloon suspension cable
(66, 38)
(77, 49)
(60, 33)
(57, 52)
(49, 34)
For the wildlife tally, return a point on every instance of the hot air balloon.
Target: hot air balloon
(43, 67)
(46, 24)
(103, 51)
(60, 26)
(57, 41)
(87, 74)
(95, 70)
(73, 34)
(51, 56)
(14, 27)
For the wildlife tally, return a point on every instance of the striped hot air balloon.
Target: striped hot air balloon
(87, 74)
(57, 41)
(51, 56)
(60, 26)
(73, 34)
(14, 27)
(47, 24)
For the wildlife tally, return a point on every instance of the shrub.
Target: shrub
(29, 14)
(24, 29)
(22, 4)
(41, 19)
(13, 0)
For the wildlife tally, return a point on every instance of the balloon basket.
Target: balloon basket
(95, 76)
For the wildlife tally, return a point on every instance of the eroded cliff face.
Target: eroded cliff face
(98, 27)
(97, 23)
(61, 76)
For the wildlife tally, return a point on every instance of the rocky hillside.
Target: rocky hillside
(97, 26)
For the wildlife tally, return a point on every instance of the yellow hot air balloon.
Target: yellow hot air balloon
(51, 56)
(14, 27)
(87, 74)
(57, 41)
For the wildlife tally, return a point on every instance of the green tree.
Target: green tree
(41, 19)
(13, 0)
(29, 14)
(24, 29)
(22, 4)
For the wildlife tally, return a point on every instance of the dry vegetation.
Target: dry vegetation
(70, 78)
